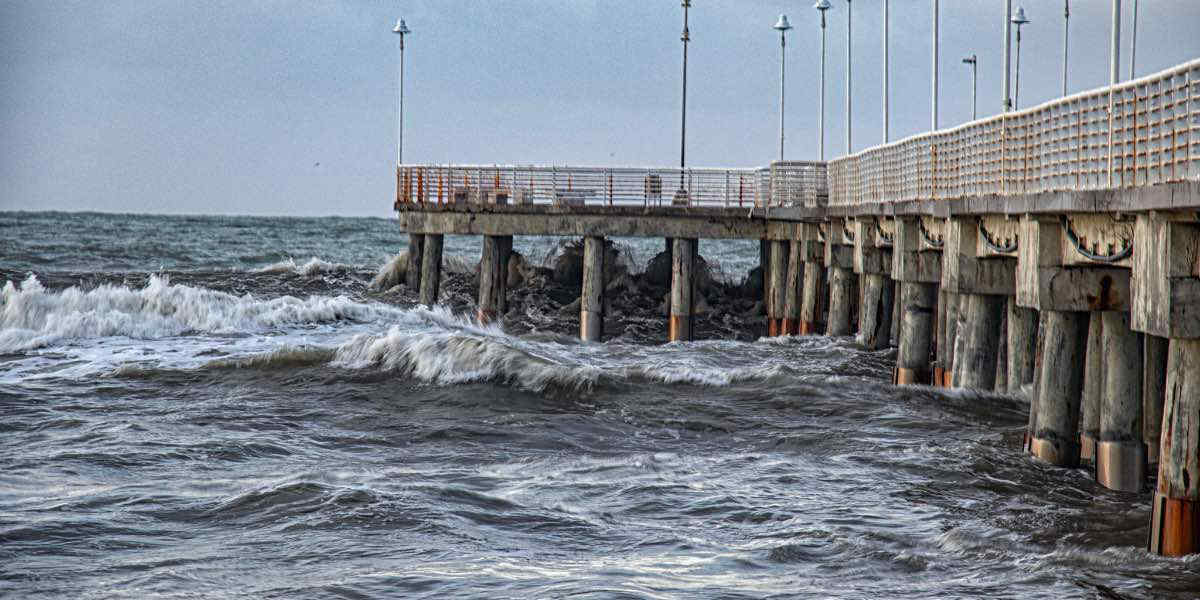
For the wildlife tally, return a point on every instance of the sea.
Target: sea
(226, 407)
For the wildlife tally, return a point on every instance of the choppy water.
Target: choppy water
(214, 407)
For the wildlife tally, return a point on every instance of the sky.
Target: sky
(275, 107)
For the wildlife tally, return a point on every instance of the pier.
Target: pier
(1057, 247)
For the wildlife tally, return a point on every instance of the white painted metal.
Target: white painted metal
(849, 79)
(934, 118)
(886, 73)
(1007, 55)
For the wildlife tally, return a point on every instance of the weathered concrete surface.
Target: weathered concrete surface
(591, 304)
(954, 306)
(1166, 277)
(1043, 283)
(1175, 524)
(412, 271)
(911, 260)
(841, 297)
(683, 289)
(916, 328)
(1154, 389)
(793, 288)
(1093, 389)
(431, 269)
(1120, 456)
(875, 321)
(964, 271)
(975, 358)
(872, 255)
(598, 221)
(777, 287)
(810, 297)
(1060, 384)
(1022, 344)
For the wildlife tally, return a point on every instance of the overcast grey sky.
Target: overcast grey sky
(288, 108)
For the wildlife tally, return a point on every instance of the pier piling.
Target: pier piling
(683, 288)
(493, 277)
(431, 268)
(1120, 456)
(591, 305)
(1060, 385)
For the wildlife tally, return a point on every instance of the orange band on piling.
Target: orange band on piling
(790, 327)
(679, 328)
(939, 377)
(1174, 526)
(807, 328)
(903, 376)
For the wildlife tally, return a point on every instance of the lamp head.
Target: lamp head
(970, 60)
(782, 24)
(822, 5)
(1020, 18)
(401, 28)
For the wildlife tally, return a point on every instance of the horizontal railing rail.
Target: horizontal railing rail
(1142, 132)
(793, 184)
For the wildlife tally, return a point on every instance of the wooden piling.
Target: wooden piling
(683, 286)
(431, 268)
(591, 305)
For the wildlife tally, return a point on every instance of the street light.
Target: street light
(822, 6)
(402, 30)
(885, 72)
(934, 116)
(1133, 44)
(1066, 36)
(782, 26)
(848, 78)
(685, 38)
(972, 60)
(1019, 20)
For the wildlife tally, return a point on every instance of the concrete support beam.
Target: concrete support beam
(966, 270)
(591, 305)
(1044, 283)
(412, 264)
(1154, 389)
(1175, 521)
(1022, 344)
(777, 287)
(792, 290)
(1166, 284)
(1093, 390)
(875, 318)
(431, 268)
(841, 298)
(683, 289)
(1120, 455)
(914, 259)
(916, 331)
(1060, 383)
(977, 343)
(493, 277)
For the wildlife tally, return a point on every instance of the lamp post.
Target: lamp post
(1019, 20)
(1007, 55)
(934, 115)
(885, 71)
(972, 60)
(822, 6)
(402, 30)
(685, 38)
(848, 78)
(1133, 44)
(782, 26)
(1066, 35)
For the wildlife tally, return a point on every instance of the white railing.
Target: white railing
(573, 186)
(1150, 135)
(794, 184)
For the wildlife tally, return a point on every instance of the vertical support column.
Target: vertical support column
(1093, 390)
(431, 268)
(975, 354)
(591, 304)
(493, 277)
(764, 265)
(412, 265)
(1002, 351)
(1022, 344)
(1154, 384)
(683, 262)
(810, 298)
(777, 287)
(791, 297)
(941, 359)
(916, 331)
(1120, 455)
(896, 312)
(1175, 521)
(1060, 384)
(954, 313)
(875, 322)
(841, 295)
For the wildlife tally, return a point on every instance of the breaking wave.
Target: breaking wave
(314, 266)
(32, 317)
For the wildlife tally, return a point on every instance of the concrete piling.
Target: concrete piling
(896, 304)
(841, 296)
(683, 263)
(591, 304)
(810, 298)
(412, 264)
(975, 355)
(1120, 455)
(875, 322)
(1093, 390)
(431, 268)
(916, 329)
(493, 277)
(1154, 389)
(1022, 344)
(1060, 385)
(777, 287)
(1175, 520)
(792, 291)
